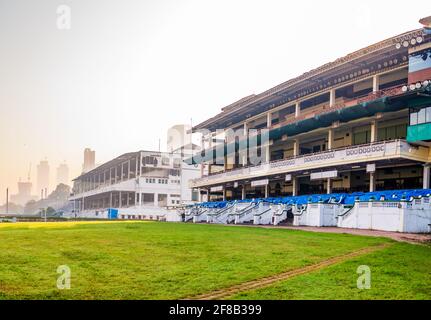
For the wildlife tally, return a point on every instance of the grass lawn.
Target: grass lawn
(402, 271)
(146, 260)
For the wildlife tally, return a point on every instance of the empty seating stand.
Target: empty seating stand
(395, 210)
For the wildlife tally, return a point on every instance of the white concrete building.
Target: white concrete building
(144, 185)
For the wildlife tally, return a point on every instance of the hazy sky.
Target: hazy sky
(127, 70)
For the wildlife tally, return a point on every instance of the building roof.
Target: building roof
(317, 80)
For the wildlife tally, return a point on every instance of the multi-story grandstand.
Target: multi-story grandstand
(136, 185)
(360, 125)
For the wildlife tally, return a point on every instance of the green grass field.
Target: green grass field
(150, 260)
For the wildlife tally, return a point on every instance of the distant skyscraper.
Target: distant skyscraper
(43, 177)
(89, 160)
(23, 195)
(63, 174)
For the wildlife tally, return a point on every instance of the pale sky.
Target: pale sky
(127, 70)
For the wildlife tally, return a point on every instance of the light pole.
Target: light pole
(7, 200)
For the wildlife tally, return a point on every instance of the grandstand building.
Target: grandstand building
(136, 185)
(359, 124)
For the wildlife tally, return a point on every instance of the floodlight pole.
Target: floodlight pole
(7, 200)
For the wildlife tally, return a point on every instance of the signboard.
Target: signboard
(288, 177)
(216, 189)
(353, 153)
(259, 183)
(371, 167)
(324, 175)
(235, 185)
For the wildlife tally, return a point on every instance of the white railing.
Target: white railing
(351, 154)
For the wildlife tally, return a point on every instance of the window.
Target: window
(413, 118)
(428, 115)
(148, 198)
(174, 172)
(420, 116)
(195, 196)
(165, 161)
(177, 163)
(361, 137)
(150, 160)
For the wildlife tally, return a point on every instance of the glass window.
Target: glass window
(413, 118)
(428, 114)
(421, 116)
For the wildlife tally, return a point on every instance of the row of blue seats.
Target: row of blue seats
(341, 198)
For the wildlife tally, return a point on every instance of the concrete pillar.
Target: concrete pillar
(376, 83)
(208, 195)
(267, 153)
(224, 194)
(294, 186)
(267, 148)
(296, 148)
(156, 199)
(119, 200)
(243, 192)
(374, 126)
(110, 199)
(426, 178)
(267, 191)
(330, 139)
(244, 156)
(297, 109)
(332, 98)
(372, 181)
(328, 186)
(269, 120)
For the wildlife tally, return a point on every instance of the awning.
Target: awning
(362, 110)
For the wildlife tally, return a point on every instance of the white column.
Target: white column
(297, 109)
(328, 186)
(208, 195)
(376, 83)
(372, 181)
(243, 192)
(267, 191)
(224, 194)
(426, 177)
(244, 156)
(294, 186)
(296, 148)
(332, 98)
(156, 199)
(267, 148)
(330, 138)
(373, 131)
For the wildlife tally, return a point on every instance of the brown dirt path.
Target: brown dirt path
(264, 282)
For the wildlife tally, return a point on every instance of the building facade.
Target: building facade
(89, 160)
(63, 174)
(43, 178)
(138, 185)
(360, 123)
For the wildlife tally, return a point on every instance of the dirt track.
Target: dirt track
(263, 282)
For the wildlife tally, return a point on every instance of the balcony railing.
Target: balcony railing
(347, 155)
